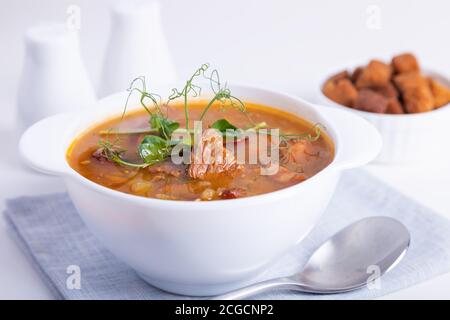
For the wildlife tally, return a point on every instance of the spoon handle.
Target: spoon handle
(278, 283)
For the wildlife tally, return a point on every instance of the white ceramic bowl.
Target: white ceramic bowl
(201, 248)
(407, 138)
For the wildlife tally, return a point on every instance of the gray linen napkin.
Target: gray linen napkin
(50, 231)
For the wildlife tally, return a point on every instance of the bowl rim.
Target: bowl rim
(416, 116)
(205, 205)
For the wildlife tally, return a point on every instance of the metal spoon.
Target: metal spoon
(367, 248)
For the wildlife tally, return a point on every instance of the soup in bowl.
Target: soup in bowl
(201, 227)
(304, 149)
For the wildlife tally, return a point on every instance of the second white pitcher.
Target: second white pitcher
(137, 47)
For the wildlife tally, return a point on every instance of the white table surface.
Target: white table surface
(18, 279)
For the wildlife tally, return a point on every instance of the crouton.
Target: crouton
(405, 63)
(440, 93)
(371, 101)
(394, 106)
(341, 91)
(408, 80)
(376, 74)
(356, 73)
(415, 91)
(388, 90)
(418, 99)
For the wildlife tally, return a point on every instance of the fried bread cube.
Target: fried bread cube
(394, 106)
(409, 80)
(416, 92)
(356, 73)
(405, 63)
(419, 99)
(440, 93)
(376, 74)
(371, 101)
(341, 91)
(388, 90)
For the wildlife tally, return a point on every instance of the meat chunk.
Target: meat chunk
(371, 101)
(375, 74)
(440, 93)
(221, 193)
(100, 155)
(167, 168)
(232, 193)
(405, 63)
(285, 175)
(210, 157)
(295, 153)
(341, 91)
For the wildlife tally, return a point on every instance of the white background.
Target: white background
(286, 45)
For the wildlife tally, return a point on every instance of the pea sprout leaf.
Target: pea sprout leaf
(153, 149)
(165, 126)
(223, 125)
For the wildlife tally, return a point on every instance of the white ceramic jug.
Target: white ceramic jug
(136, 47)
(54, 79)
